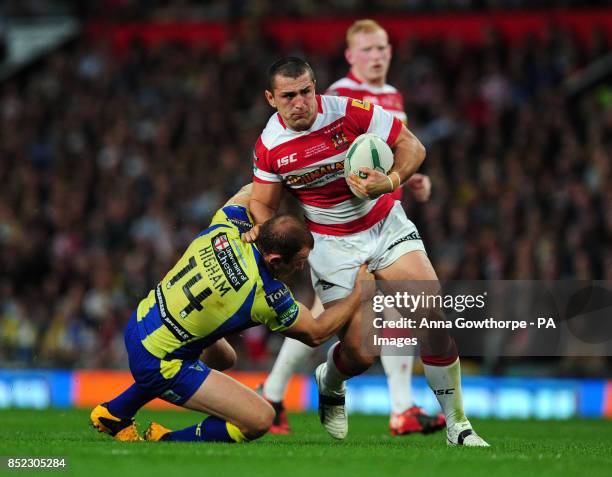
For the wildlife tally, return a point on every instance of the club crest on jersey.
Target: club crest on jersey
(220, 242)
(339, 140)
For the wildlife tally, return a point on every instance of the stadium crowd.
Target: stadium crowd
(110, 164)
(224, 10)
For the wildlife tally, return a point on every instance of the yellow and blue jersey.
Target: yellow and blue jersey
(219, 286)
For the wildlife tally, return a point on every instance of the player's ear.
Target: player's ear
(348, 55)
(273, 259)
(270, 98)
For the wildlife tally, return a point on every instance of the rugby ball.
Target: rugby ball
(367, 150)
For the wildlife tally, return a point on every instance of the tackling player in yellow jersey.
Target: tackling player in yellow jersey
(219, 286)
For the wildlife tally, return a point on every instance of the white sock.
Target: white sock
(291, 357)
(399, 378)
(445, 382)
(333, 379)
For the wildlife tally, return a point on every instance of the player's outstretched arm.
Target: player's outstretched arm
(408, 156)
(263, 204)
(315, 331)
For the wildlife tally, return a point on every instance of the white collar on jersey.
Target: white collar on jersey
(316, 123)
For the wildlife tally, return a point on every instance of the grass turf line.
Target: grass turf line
(543, 448)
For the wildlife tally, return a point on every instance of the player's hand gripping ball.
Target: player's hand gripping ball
(367, 150)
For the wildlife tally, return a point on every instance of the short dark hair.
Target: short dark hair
(290, 67)
(285, 235)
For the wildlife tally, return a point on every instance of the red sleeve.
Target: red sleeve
(362, 117)
(395, 130)
(358, 115)
(263, 170)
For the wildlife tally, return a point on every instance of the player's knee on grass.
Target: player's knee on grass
(259, 422)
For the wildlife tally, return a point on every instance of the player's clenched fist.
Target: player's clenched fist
(251, 235)
(420, 186)
(365, 283)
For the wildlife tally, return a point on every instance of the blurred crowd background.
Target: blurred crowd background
(234, 9)
(110, 164)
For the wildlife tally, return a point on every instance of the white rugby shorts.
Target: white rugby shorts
(335, 260)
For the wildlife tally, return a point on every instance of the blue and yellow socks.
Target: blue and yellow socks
(211, 429)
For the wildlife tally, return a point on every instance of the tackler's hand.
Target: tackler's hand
(365, 283)
(251, 235)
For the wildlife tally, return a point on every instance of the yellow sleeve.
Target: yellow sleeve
(233, 216)
(275, 307)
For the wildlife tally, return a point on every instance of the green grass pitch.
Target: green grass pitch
(539, 448)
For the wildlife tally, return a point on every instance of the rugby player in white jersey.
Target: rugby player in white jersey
(302, 149)
(368, 53)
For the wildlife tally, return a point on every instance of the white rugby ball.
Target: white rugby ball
(367, 150)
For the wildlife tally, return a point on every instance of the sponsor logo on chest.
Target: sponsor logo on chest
(322, 174)
(230, 266)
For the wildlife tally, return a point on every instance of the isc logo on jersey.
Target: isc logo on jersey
(367, 150)
(286, 160)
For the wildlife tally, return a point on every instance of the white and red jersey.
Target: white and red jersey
(311, 163)
(386, 96)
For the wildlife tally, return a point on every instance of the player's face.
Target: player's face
(295, 100)
(369, 55)
(284, 270)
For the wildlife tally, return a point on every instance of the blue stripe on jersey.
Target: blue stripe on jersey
(238, 216)
(210, 229)
(278, 295)
(149, 323)
(241, 320)
(261, 266)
